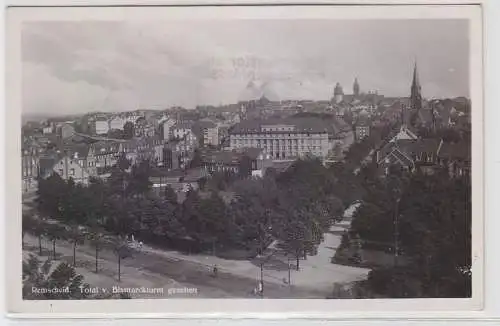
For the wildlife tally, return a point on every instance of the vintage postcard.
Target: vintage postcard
(159, 157)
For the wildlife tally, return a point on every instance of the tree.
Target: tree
(294, 236)
(95, 236)
(433, 219)
(37, 275)
(245, 166)
(139, 180)
(170, 195)
(192, 216)
(196, 161)
(128, 130)
(435, 230)
(122, 250)
(118, 181)
(116, 134)
(76, 237)
(213, 220)
(39, 231)
(50, 194)
(55, 232)
(28, 225)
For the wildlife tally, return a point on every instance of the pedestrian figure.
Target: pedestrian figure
(215, 270)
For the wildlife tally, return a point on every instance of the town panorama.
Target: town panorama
(361, 195)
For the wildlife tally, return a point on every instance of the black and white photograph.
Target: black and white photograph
(247, 157)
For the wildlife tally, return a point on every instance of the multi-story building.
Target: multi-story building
(207, 132)
(256, 162)
(71, 165)
(166, 128)
(101, 126)
(48, 129)
(132, 117)
(362, 128)
(180, 130)
(103, 154)
(66, 130)
(409, 155)
(182, 150)
(223, 132)
(286, 139)
(117, 123)
(30, 167)
(456, 157)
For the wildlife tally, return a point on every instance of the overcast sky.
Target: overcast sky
(75, 67)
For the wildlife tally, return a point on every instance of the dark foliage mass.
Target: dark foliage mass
(294, 208)
(428, 218)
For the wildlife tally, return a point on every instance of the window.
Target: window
(72, 172)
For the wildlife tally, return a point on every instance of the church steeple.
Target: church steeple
(355, 88)
(416, 91)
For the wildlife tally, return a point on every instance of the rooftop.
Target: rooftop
(302, 124)
(461, 150)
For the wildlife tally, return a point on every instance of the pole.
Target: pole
(262, 280)
(396, 233)
(54, 248)
(289, 271)
(96, 253)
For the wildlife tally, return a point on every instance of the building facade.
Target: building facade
(66, 130)
(166, 128)
(30, 168)
(116, 123)
(362, 128)
(180, 130)
(70, 167)
(101, 126)
(285, 140)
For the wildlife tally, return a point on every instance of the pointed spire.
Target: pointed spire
(415, 82)
(416, 91)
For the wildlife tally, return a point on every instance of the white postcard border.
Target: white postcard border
(240, 308)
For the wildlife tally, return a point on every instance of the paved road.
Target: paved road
(147, 269)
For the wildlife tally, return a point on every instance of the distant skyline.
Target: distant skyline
(77, 67)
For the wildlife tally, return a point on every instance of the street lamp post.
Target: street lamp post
(289, 270)
(396, 232)
(261, 283)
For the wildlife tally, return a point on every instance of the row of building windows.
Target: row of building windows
(280, 135)
(71, 172)
(288, 155)
(258, 141)
(277, 144)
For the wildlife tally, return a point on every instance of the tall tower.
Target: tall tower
(415, 99)
(355, 88)
(416, 91)
(338, 93)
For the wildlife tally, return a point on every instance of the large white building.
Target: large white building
(287, 139)
(117, 123)
(166, 125)
(101, 126)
